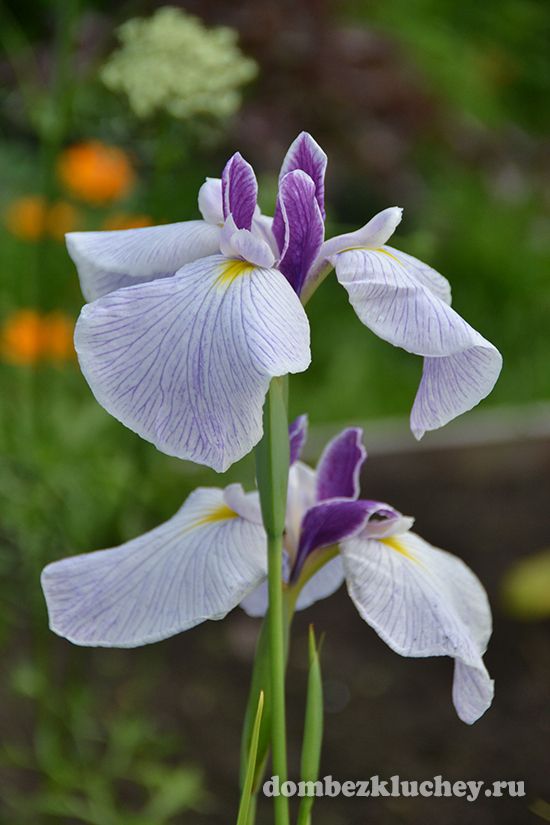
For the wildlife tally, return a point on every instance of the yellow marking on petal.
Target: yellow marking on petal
(396, 545)
(232, 270)
(371, 249)
(389, 254)
(221, 513)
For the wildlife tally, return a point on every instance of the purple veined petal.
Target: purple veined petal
(424, 274)
(239, 191)
(461, 367)
(330, 522)
(339, 468)
(211, 201)
(423, 601)
(298, 227)
(107, 261)
(186, 362)
(305, 154)
(198, 565)
(322, 584)
(454, 385)
(243, 244)
(297, 434)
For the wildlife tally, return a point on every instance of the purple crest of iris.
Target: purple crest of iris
(187, 323)
(211, 556)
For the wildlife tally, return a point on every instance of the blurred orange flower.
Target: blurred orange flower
(21, 337)
(31, 217)
(28, 337)
(57, 337)
(26, 217)
(95, 172)
(121, 220)
(61, 217)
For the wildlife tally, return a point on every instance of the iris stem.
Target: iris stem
(272, 462)
(277, 656)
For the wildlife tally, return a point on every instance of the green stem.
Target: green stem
(277, 656)
(272, 462)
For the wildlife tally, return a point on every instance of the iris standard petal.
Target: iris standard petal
(186, 362)
(196, 566)
(297, 436)
(423, 601)
(305, 153)
(461, 366)
(339, 468)
(298, 227)
(107, 261)
(239, 191)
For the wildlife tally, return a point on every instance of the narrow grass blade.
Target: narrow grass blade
(246, 796)
(313, 729)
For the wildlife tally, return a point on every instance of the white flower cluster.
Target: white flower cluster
(171, 61)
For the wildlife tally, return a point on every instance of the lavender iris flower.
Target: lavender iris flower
(211, 556)
(199, 322)
(189, 322)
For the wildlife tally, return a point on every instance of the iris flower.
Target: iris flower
(211, 557)
(188, 322)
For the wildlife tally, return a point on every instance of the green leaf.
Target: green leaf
(313, 728)
(247, 792)
(260, 684)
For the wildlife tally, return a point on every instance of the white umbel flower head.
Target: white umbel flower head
(172, 62)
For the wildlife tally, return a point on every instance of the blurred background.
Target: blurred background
(112, 114)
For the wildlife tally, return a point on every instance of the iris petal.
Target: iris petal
(196, 566)
(239, 191)
(339, 468)
(323, 584)
(305, 153)
(186, 362)
(423, 601)
(298, 227)
(210, 201)
(297, 435)
(107, 261)
(330, 522)
(461, 366)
